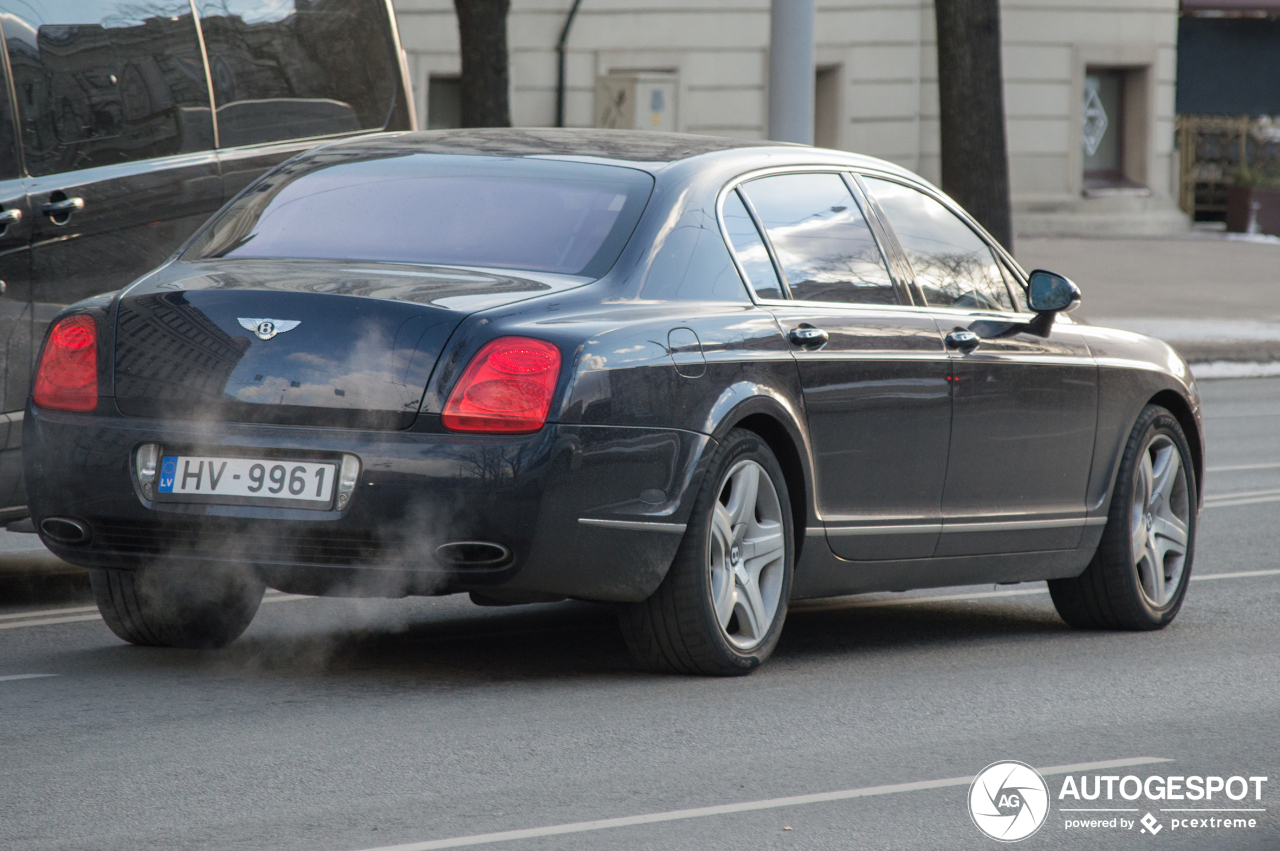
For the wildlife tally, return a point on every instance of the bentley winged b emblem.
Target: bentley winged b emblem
(268, 328)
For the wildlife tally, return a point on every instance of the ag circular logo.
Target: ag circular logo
(1008, 801)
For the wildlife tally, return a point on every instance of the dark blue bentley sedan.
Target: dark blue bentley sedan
(694, 377)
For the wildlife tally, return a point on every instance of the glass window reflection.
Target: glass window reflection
(953, 265)
(823, 243)
(106, 82)
(293, 69)
(750, 248)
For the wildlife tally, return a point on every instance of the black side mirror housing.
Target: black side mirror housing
(1050, 293)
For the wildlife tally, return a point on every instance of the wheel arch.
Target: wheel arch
(1174, 402)
(766, 418)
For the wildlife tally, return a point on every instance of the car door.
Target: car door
(117, 138)
(289, 74)
(873, 374)
(15, 304)
(1024, 400)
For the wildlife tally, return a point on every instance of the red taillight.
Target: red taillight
(507, 387)
(67, 379)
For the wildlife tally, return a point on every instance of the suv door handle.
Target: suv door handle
(65, 207)
(965, 341)
(808, 336)
(9, 217)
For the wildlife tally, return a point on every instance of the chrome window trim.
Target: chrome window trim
(208, 73)
(839, 170)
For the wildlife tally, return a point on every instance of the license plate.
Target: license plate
(247, 481)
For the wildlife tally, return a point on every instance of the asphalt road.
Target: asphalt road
(339, 725)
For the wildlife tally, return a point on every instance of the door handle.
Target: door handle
(65, 207)
(808, 336)
(9, 217)
(965, 341)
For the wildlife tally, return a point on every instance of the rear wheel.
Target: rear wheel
(162, 606)
(1138, 577)
(721, 607)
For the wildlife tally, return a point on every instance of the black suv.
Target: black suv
(123, 126)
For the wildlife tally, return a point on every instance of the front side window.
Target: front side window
(953, 266)
(750, 249)
(106, 82)
(821, 240)
(293, 69)
(434, 209)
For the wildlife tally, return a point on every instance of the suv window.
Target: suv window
(749, 246)
(821, 240)
(106, 82)
(953, 266)
(292, 69)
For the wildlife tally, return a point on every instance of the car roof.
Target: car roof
(624, 147)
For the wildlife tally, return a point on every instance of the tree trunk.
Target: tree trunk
(975, 161)
(482, 32)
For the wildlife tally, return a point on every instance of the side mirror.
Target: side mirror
(1050, 293)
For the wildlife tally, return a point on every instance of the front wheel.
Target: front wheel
(1138, 577)
(203, 606)
(721, 607)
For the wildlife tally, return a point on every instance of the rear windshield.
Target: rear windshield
(510, 213)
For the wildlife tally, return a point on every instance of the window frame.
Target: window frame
(1008, 265)
(15, 123)
(903, 289)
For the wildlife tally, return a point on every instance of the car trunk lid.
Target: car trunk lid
(316, 343)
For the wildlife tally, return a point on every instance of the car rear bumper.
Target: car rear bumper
(592, 512)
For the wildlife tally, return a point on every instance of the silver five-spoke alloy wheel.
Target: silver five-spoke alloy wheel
(1160, 520)
(746, 554)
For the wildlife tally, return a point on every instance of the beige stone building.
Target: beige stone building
(1089, 87)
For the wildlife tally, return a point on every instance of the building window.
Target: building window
(1103, 108)
(1114, 132)
(444, 103)
(826, 107)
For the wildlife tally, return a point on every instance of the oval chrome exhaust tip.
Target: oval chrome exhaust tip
(473, 554)
(65, 530)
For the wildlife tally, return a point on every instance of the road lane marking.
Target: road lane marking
(25, 677)
(1239, 574)
(48, 617)
(49, 613)
(50, 621)
(1229, 467)
(744, 807)
(286, 598)
(1241, 494)
(1226, 500)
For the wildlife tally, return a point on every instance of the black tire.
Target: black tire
(678, 629)
(1112, 593)
(200, 607)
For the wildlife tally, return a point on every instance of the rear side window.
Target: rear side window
(106, 82)
(822, 242)
(536, 215)
(749, 246)
(292, 69)
(952, 264)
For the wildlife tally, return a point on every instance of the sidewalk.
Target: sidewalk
(1214, 297)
